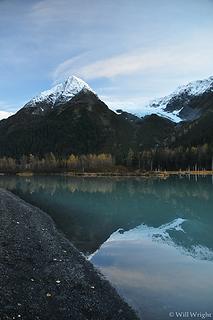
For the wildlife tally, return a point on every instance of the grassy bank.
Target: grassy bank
(160, 174)
(146, 174)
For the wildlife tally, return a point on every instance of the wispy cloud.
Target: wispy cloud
(123, 64)
(81, 12)
(180, 58)
(67, 67)
(49, 9)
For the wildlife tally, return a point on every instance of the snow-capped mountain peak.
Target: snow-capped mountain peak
(197, 87)
(60, 93)
(172, 106)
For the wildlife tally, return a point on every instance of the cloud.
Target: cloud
(49, 9)
(68, 11)
(5, 114)
(63, 70)
(123, 64)
(176, 59)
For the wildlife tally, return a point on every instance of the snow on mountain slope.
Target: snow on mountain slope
(192, 89)
(5, 114)
(60, 93)
(150, 109)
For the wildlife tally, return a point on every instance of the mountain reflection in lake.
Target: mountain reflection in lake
(151, 238)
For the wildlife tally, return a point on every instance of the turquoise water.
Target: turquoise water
(153, 239)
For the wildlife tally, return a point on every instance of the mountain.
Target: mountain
(58, 95)
(187, 103)
(70, 118)
(82, 124)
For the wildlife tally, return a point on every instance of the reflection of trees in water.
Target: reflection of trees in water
(169, 189)
(51, 184)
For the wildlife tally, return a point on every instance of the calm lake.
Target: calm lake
(153, 239)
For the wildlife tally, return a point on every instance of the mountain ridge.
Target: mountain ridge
(179, 105)
(183, 104)
(78, 122)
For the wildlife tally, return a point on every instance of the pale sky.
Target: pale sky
(129, 52)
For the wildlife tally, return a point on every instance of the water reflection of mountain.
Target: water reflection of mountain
(164, 234)
(89, 210)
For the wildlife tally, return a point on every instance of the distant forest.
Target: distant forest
(180, 158)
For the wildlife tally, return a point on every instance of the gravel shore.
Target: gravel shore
(43, 276)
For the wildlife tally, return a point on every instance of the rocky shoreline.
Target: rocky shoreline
(43, 276)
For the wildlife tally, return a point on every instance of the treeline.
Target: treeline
(51, 163)
(190, 158)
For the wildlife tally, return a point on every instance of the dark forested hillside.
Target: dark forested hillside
(81, 126)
